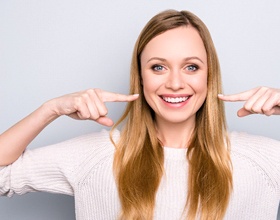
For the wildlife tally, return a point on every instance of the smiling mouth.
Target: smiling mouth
(175, 100)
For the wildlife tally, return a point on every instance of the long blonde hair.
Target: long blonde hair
(138, 160)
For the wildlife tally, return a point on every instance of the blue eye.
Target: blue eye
(157, 67)
(192, 68)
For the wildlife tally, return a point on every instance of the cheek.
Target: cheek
(148, 90)
(199, 84)
(147, 86)
(149, 83)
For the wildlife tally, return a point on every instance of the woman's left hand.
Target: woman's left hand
(260, 100)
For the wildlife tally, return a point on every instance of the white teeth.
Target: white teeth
(175, 100)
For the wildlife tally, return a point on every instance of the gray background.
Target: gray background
(49, 48)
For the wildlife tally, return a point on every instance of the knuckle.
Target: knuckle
(83, 115)
(103, 112)
(86, 94)
(268, 114)
(247, 107)
(255, 109)
(86, 116)
(267, 111)
(97, 91)
(89, 93)
(264, 88)
(95, 117)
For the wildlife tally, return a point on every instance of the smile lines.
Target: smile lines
(175, 99)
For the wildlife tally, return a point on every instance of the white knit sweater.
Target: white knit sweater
(82, 167)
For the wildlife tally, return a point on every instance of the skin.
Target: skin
(174, 77)
(83, 105)
(260, 100)
(174, 65)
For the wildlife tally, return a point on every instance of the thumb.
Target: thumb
(105, 121)
(243, 112)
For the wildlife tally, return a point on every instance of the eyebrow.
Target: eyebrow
(185, 59)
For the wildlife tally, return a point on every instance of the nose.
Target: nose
(175, 80)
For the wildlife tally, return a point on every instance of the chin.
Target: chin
(179, 119)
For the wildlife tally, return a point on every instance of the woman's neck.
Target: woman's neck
(175, 135)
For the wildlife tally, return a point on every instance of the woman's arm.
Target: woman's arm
(260, 100)
(14, 141)
(85, 105)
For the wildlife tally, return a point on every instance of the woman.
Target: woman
(173, 158)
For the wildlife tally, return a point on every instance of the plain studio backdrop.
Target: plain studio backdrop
(50, 48)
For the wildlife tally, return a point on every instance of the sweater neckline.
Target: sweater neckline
(174, 153)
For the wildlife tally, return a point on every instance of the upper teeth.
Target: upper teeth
(175, 100)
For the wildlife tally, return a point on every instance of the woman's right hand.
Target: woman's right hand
(88, 105)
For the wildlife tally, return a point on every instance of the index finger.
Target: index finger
(243, 96)
(117, 97)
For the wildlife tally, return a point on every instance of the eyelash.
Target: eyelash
(155, 66)
(193, 66)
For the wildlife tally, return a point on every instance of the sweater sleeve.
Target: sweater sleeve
(49, 169)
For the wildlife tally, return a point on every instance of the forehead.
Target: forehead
(176, 43)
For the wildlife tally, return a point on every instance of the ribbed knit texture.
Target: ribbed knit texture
(83, 167)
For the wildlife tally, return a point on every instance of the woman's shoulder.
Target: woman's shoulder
(240, 140)
(85, 141)
(244, 136)
(257, 148)
(256, 159)
(98, 144)
(244, 142)
(93, 139)
(96, 152)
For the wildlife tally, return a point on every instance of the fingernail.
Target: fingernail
(135, 94)
(220, 95)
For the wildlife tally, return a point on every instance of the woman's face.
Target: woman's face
(174, 75)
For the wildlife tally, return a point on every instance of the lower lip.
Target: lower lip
(176, 105)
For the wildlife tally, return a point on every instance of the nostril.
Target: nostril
(175, 84)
